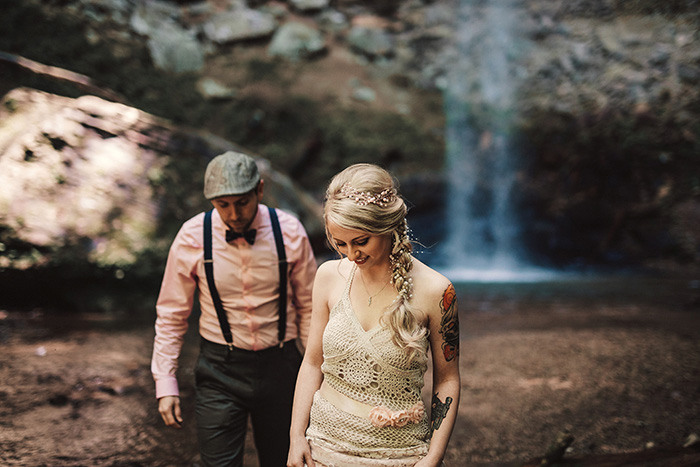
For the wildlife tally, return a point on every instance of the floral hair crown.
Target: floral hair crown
(363, 198)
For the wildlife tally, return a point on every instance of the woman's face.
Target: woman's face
(364, 248)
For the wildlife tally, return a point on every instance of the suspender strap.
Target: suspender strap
(209, 270)
(282, 257)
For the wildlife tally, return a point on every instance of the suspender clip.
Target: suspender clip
(230, 346)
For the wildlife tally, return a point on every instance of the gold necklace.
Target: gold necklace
(369, 300)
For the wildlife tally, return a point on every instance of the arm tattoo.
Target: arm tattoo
(438, 412)
(449, 324)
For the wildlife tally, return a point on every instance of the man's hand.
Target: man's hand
(169, 408)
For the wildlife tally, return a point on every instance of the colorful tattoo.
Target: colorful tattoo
(449, 324)
(438, 412)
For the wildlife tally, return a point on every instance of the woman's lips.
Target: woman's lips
(361, 260)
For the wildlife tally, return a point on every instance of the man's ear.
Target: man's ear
(259, 189)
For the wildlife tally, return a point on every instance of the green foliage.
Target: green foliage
(609, 182)
(369, 136)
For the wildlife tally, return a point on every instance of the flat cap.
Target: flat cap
(230, 173)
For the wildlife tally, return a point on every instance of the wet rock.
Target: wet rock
(608, 36)
(689, 74)
(149, 15)
(174, 49)
(309, 5)
(370, 41)
(279, 11)
(660, 56)
(199, 9)
(437, 14)
(333, 21)
(295, 41)
(238, 25)
(364, 94)
(211, 89)
(100, 11)
(581, 54)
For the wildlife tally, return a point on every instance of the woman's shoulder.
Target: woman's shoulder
(429, 284)
(330, 281)
(334, 268)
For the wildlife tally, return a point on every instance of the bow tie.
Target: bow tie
(248, 235)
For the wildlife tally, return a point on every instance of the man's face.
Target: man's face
(238, 211)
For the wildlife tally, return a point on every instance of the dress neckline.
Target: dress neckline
(351, 308)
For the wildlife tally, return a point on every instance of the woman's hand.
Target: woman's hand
(299, 453)
(427, 462)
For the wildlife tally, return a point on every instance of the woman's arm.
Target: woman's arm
(443, 322)
(310, 377)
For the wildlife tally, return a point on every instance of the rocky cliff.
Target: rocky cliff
(601, 108)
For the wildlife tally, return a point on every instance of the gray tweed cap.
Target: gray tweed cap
(230, 173)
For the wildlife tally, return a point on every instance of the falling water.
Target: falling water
(482, 230)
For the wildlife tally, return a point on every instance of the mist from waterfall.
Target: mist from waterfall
(482, 229)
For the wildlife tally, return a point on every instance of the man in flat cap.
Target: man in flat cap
(253, 268)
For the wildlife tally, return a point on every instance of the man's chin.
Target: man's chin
(237, 228)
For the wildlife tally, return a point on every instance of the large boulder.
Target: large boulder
(104, 184)
(239, 25)
(372, 42)
(295, 41)
(309, 5)
(175, 49)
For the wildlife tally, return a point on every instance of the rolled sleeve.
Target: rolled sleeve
(302, 273)
(173, 308)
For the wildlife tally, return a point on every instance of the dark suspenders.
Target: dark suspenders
(282, 261)
(209, 270)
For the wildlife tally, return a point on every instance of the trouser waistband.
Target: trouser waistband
(224, 348)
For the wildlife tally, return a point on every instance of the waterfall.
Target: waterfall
(482, 229)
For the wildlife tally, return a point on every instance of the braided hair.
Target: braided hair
(365, 197)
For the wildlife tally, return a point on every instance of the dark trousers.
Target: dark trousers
(233, 384)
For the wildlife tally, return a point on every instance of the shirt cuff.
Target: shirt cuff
(166, 387)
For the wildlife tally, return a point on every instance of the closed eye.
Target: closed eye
(361, 242)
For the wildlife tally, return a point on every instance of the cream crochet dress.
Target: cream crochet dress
(368, 367)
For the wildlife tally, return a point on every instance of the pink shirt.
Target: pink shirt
(247, 279)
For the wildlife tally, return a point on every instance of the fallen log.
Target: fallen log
(82, 81)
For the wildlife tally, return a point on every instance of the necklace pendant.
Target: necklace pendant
(369, 302)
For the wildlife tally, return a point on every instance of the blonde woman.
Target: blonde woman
(376, 314)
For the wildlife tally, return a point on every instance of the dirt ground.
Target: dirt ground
(621, 376)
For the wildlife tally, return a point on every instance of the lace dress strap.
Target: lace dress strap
(346, 292)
